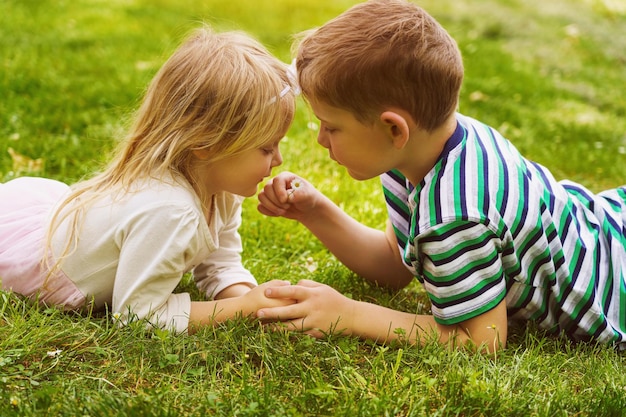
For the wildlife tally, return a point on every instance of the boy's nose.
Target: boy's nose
(322, 139)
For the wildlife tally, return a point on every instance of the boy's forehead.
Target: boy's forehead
(323, 110)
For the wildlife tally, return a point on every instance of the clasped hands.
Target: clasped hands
(309, 307)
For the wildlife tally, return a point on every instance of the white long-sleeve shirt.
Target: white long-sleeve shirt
(133, 251)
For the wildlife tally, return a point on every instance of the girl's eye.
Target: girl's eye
(329, 129)
(269, 150)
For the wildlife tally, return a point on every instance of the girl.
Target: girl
(205, 136)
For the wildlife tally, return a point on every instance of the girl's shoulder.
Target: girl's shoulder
(153, 192)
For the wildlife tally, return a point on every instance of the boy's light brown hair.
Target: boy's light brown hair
(381, 54)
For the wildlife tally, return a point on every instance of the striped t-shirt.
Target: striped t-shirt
(486, 224)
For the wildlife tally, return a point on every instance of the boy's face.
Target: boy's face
(365, 150)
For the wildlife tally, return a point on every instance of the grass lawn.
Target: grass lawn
(548, 74)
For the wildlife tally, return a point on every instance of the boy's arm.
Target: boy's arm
(319, 309)
(485, 333)
(371, 253)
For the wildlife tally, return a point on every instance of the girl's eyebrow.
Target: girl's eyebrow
(276, 142)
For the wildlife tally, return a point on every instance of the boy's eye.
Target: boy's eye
(329, 129)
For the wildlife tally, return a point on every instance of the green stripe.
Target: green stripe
(400, 203)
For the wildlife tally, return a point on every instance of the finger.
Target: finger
(309, 283)
(266, 212)
(293, 292)
(290, 326)
(287, 185)
(315, 332)
(276, 192)
(278, 282)
(298, 325)
(285, 313)
(282, 190)
(270, 205)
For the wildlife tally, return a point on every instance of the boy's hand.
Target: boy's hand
(289, 196)
(317, 309)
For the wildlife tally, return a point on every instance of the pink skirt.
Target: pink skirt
(26, 204)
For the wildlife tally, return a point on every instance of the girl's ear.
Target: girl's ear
(397, 127)
(201, 154)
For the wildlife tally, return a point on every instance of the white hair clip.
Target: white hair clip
(284, 91)
(292, 75)
(293, 83)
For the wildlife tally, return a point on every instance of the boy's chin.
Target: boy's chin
(359, 176)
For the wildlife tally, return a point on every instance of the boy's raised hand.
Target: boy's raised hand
(288, 195)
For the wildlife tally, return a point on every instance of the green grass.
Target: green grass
(549, 74)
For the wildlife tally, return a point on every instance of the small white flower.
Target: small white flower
(312, 126)
(295, 184)
(310, 264)
(54, 353)
(116, 316)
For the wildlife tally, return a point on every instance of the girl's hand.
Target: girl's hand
(256, 298)
(317, 309)
(289, 196)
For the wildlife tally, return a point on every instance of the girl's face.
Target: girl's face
(239, 174)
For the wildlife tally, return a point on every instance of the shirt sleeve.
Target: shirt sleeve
(462, 270)
(224, 267)
(157, 245)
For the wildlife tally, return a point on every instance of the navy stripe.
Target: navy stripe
(449, 233)
(484, 289)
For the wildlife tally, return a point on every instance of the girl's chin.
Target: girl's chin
(249, 193)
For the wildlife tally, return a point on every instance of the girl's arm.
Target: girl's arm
(222, 274)
(235, 290)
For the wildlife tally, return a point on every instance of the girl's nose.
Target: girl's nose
(277, 159)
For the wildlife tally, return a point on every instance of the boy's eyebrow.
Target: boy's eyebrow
(317, 117)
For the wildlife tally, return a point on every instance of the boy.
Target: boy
(491, 235)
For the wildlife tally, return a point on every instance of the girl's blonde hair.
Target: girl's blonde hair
(223, 93)
(380, 54)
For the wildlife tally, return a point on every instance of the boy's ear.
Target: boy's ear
(397, 127)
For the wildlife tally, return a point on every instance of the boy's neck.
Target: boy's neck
(424, 149)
